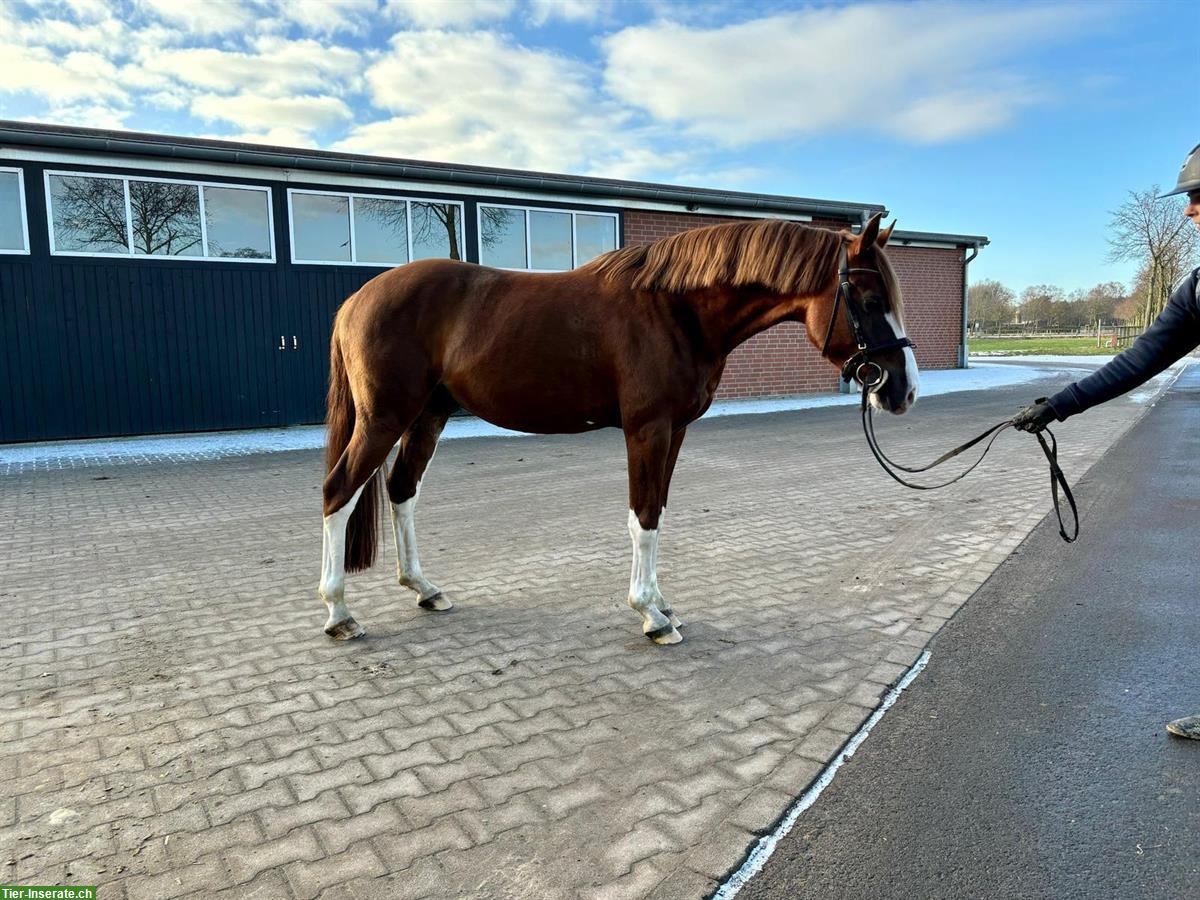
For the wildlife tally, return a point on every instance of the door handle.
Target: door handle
(282, 345)
(295, 343)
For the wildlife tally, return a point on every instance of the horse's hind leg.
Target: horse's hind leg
(648, 448)
(404, 489)
(366, 452)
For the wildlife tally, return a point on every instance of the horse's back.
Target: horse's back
(427, 286)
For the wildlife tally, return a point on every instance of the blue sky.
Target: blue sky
(1027, 122)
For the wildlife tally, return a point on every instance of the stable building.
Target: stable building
(153, 284)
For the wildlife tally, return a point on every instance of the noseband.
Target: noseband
(853, 367)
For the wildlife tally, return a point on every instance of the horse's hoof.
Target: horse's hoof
(437, 602)
(665, 635)
(345, 630)
(672, 618)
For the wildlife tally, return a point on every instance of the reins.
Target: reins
(853, 369)
(1057, 478)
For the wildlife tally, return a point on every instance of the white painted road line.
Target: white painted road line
(766, 844)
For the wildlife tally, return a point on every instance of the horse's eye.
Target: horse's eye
(872, 304)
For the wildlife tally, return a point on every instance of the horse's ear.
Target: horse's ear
(867, 236)
(882, 240)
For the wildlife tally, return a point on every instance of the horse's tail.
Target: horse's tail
(362, 529)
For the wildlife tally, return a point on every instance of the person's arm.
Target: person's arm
(1174, 333)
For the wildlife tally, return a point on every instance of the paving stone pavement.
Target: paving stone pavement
(174, 723)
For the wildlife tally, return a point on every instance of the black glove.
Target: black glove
(1034, 418)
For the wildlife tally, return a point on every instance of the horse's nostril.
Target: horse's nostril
(912, 396)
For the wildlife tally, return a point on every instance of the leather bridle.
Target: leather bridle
(852, 368)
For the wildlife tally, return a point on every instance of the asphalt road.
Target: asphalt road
(1029, 759)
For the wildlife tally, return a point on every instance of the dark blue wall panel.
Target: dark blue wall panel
(92, 347)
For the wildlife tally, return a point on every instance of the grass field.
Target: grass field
(1065, 346)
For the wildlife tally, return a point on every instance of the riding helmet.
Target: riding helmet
(1189, 174)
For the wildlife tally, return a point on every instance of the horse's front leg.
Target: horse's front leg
(672, 457)
(648, 449)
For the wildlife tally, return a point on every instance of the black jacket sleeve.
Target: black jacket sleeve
(1174, 333)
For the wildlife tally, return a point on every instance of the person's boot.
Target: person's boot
(1187, 727)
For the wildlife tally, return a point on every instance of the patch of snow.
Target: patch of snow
(981, 376)
(1093, 359)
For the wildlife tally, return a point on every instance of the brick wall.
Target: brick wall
(932, 281)
(781, 361)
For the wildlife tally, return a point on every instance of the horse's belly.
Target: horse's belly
(540, 406)
(542, 421)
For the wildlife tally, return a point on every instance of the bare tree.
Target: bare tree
(166, 217)
(89, 213)
(429, 220)
(1042, 304)
(990, 303)
(1074, 312)
(1083, 309)
(1101, 301)
(1129, 309)
(1152, 233)
(392, 215)
(494, 221)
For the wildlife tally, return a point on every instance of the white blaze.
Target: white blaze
(910, 358)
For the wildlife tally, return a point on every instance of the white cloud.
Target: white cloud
(732, 177)
(88, 115)
(921, 72)
(60, 33)
(956, 114)
(59, 79)
(328, 17)
(448, 13)
(542, 11)
(274, 67)
(209, 17)
(93, 10)
(167, 99)
(670, 93)
(92, 69)
(253, 111)
(279, 136)
(477, 97)
(640, 160)
(61, 27)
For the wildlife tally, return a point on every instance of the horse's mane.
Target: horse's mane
(784, 257)
(890, 281)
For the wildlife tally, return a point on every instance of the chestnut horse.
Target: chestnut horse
(636, 339)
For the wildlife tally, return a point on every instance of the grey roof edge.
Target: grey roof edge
(939, 237)
(64, 137)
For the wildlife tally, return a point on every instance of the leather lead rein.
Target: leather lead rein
(1057, 478)
(852, 369)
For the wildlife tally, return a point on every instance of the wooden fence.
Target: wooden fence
(1124, 335)
(1112, 336)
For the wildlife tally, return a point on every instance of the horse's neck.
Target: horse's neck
(731, 316)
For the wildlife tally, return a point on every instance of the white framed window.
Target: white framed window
(333, 228)
(100, 214)
(542, 240)
(14, 223)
